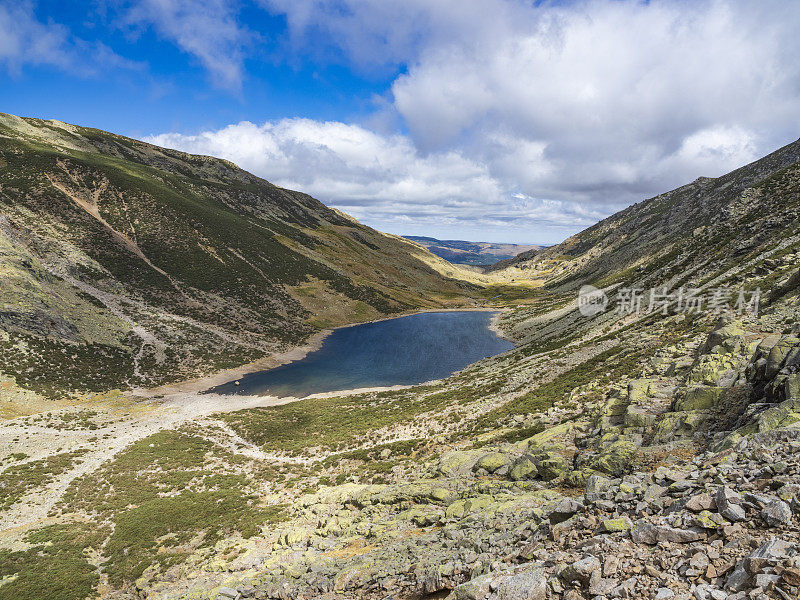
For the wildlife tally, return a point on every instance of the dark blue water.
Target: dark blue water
(401, 351)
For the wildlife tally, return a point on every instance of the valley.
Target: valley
(640, 453)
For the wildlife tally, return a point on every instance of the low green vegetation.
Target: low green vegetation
(55, 567)
(339, 422)
(167, 495)
(19, 479)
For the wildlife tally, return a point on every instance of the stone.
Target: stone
(766, 580)
(700, 502)
(778, 354)
(729, 337)
(791, 576)
(458, 462)
(581, 571)
(777, 514)
(663, 473)
(709, 520)
(699, 398)
(616, 459)
(491, 462)
(654, 495)
(651, 534)
(638, 417)
(596, 487)
(530, 585)
(615, 525)
(738, 580)
(227, 593)
(602, 586)
(523, 468)
(552, 466)
(664, 594)
(767, 554)
(475, 589)
(729, 504)
(564, 509)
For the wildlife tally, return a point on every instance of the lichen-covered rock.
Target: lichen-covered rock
(596, 486)
(616, 459)
(726, 337)
(698, 398)
(638, 417)
(523, 468)
(491, 462)
(615, 525)
(552, 465)
(778, 354)
(523, 582)
(458, 462)
(639, 391)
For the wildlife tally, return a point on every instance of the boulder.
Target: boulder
(726, 337)
(582, 571)
(700, 502)
(616, 459)
(637, 417)
(457, 462)
(523, 468)
(652, 534)
(615, 525)
(768, 554)
(778, 354)
(639, 391)
(491, 462)
(523, 582)
(564, 509)
(699, 398)
(777, 514)
(528, 585)
(729, 504)
(552, 465)
(596, 486)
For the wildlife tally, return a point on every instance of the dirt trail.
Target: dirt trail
(123, 425)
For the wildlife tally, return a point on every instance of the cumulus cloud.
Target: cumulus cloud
(528, 114)
(382, 179)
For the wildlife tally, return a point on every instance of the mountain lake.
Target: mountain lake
(401, 351)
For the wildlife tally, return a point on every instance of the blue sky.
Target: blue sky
(499, 120)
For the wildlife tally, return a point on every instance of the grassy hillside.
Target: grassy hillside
(126, 264)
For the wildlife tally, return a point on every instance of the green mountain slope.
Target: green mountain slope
(140, 264)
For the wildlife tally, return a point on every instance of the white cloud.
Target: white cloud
(593, 101)
(205, 29)
(26, 40)
(579, 108)
(23, 39)
(381, 179)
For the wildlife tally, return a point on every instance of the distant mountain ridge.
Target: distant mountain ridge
(472, 253)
